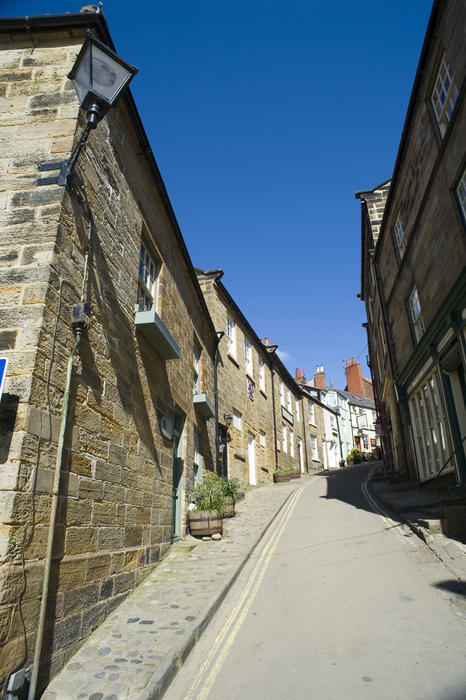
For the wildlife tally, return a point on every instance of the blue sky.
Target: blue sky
(265, 117)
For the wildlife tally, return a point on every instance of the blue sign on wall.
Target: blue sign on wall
(3, 368)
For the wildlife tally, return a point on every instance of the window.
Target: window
(197, 370)
(231, 336)
(400, 235)
(291, 443)
(444, 96)
(365, 442)
(284, 440)
(297, 409)
(310, 410)
(251, 388)
(427, 419)
(461, 194)
(288, 400)
(248, 356)
(236, 419)
(147, 279)
(314, 453)
(416, 314)
(261, 375)
(262, 438)
(282, 393)
(197, 458)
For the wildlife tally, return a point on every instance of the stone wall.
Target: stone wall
(115, 515)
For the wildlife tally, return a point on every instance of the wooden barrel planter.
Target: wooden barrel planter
(229, 507)
(281, 477)
(203, 523)
(295, 474)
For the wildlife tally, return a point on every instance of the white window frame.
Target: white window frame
(237, 422)
(288, 401)
(149, 269)
(196, 369)
(261, 374)
(248, 357)
(416, 313)
(262, 438)
(282, 393)
(284, 439)
(297, 410)
(231, 336)
(400, 235)
(461, 194)
(428, 426)
(444, 96)
(311, 412)
(291, 443)
(314, 449)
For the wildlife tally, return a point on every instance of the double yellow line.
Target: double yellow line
(208, 672)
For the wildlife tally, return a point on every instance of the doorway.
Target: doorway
(177, 474)
(222, 468)
(252, 459)
(300, 454)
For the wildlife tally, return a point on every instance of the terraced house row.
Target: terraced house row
(130, 373)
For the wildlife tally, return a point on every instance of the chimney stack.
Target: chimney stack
(354, 377)
(319, 377)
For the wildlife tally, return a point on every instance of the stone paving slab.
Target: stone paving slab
(137, 650)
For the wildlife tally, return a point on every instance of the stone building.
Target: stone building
(260, 423)
(413, 267)
(142, 376)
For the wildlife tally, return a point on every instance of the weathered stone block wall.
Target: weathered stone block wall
(115, 517)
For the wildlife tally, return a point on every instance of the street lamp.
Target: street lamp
(228, 420)
(99, 77)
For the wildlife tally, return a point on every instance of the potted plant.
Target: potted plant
(231, 489)
(354, 456)
(281, 475)
(205, 512)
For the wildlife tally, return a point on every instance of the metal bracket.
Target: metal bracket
(60, 179)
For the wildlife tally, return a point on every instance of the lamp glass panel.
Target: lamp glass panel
(108, 76)
(82, 79)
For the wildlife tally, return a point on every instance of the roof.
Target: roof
(269, 351)
(98, 23)
(356, 399)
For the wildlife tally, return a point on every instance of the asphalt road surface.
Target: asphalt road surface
(339, 601)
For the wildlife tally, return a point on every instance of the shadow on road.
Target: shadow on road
(453, 586)
(346, 485)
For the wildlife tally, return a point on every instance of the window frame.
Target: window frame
(248, 360)
(400, 235)
(261, 374)
(197, 352)
(416, 318)
(460, 195)
(147, 291)
(443, 98)
(231, 336)
(237, 420)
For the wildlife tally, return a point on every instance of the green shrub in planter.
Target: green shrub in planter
(209, 494)
(230, 487)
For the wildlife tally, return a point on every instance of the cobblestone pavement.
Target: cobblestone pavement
(136, 652)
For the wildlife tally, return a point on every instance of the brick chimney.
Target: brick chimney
(300, 378)
(354, 377)
(319, 377)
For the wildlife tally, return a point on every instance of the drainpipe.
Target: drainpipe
(53, 518)
(274, 416)
(79, 324)
(220, 335)
(304, 434)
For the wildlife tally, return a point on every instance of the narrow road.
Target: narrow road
(338, 602)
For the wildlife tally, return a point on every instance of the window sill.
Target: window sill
(263, 393)
(203, 405)
(233, 359)
(151, 326)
